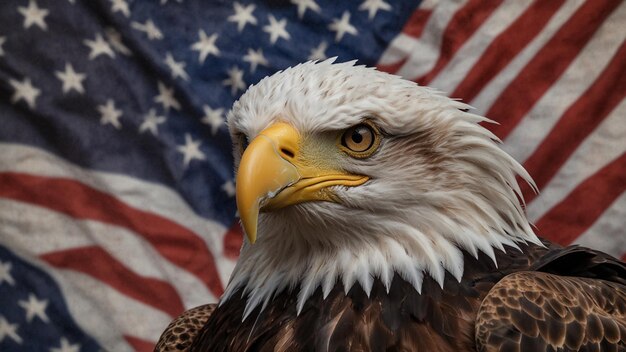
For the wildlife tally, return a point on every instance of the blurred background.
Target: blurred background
(117, 206)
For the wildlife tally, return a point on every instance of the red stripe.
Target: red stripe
(580, 119)
(97, 263)
(548, 65)
(392, 68)
(233, 241)
(461, 27)
(417, 22)
(174, 242)
(414, 28)
(585, 204)
(139, 345)
(505, 47)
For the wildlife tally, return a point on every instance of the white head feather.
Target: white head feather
(439, 184)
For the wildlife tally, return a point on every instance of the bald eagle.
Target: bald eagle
(381, 216)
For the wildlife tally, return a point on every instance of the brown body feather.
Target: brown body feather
(535, 311)
(181, 332)
(540, 299)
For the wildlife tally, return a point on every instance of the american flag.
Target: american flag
(116, 178)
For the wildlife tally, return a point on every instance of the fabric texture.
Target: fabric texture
(117, 207)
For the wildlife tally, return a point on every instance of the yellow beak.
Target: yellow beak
(273, 174)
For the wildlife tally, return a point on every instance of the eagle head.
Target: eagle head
(346, 174)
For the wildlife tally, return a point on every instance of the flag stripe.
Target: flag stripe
(100, 265)
(417, 22)
(470, 52)
(490, 93)
(174, 242)
(50, 231)
(568, 220)
(233, 240)
(139, 345)
(148, 196)
(579, 76)
(420, 55)
(601, 235)
(63, 297)
(464, 23)
(505, 47)
(96, 320)
(151, 197)
(399, 49)
(106, 307)
(541, 72)
(590, 110)
(604, 145)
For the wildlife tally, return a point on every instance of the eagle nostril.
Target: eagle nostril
(288, 153)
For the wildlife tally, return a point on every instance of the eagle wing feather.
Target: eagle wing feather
(537, 311)
(181, 332)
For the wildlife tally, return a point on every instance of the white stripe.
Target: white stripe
(469, 53)
(424, 52)
(127, 315)
(428, 4)
(43, 231)
(92, 317)
(607, 233)
(399, 48)
(606, 143)
(572, 85)
(140, 194)
(492, 91)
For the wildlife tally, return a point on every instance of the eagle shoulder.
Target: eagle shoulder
(181, 332)
(538, 311)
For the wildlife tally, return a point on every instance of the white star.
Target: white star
(71, 79)
(2, 40)
(5, 273)
(235, 80)
(120, 5)
(176, 67)
(229, 188)
(342, 26)
(319, 53)
(66, 346)
(24, 91)
(109, 114)
(115, 39)
(255, 58)
(149, 28)
(372, 6)
(206, 46)
(213, 117)
(151, 122)
(303, 5)
(276, 29)
(98, 47)
(33, 15)
(166, 97)
(9, 330)
(35, 308)
(243, 16)
(190, 150)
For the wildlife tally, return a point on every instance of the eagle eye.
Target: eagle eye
(360, 141)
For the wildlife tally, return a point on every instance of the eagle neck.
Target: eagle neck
(278, 262)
